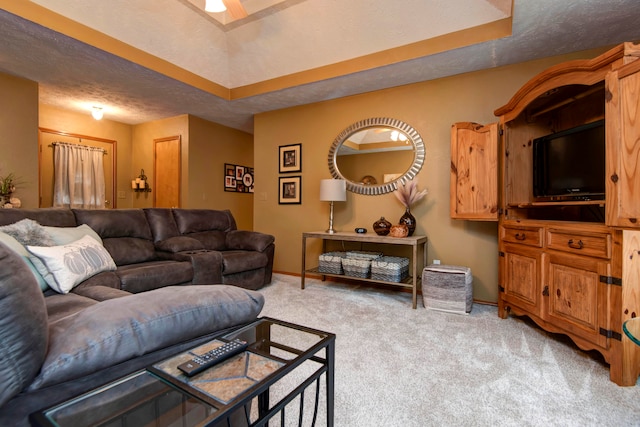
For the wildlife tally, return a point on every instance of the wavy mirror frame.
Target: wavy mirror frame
(388, 187)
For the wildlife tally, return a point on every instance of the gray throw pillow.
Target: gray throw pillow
(23, 325)
(28, 232)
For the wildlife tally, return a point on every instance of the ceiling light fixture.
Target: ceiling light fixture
(214, 6)
(96, 112)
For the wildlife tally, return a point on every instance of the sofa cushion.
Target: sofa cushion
(195, 220)
(124, 232)
(57, 217)
(161, 222)
(129, 250)
(248, 240)
(73, 263)
(144, 276)
(236, 261)
(117, 330)
(23, 325)
(60, 306)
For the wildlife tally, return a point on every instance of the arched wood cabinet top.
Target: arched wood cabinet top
(580, 71)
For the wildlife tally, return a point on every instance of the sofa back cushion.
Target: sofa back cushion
(125, 233)
(162, 224)
(55, 217)
(197, 220)
(23, 325)
(208, 226)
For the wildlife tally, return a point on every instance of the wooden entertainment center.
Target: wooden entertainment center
(572, 265)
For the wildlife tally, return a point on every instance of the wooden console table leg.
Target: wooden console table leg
(415, 275)
(304, 255)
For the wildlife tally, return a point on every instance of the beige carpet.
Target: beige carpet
(401, 367)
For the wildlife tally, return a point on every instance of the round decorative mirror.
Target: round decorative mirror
(374, 155)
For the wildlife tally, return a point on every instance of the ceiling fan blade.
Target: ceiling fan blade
(235, 9)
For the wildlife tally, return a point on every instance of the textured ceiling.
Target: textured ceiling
(74, 75)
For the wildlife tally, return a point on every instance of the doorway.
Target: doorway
(47, 137)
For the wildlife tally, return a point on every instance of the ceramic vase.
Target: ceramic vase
(408, 220)
(382, 227)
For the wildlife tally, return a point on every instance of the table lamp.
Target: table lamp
(333, 190)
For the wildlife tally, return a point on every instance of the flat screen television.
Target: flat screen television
(569, 165)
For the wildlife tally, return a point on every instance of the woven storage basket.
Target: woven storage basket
(447, 288)
(331, 262)
(356, 267)
(364, 254)
(390, 268)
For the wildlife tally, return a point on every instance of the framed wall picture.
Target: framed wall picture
(238, 179)
(290, 190)
(290, 158)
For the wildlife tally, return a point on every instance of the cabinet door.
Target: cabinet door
(623, 146)
(578, 300)
(474, 171)
(520, 278)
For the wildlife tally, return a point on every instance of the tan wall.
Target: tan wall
(210, 147)
(430, 107)
(19, 136)
(83, 124)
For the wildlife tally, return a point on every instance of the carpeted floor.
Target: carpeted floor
(401, 367)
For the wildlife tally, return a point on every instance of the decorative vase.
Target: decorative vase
(400, 230)
(408, 220)
(382, 227)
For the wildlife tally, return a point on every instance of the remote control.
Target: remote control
(217, 355)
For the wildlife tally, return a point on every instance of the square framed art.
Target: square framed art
(290, 190)
(290, 158)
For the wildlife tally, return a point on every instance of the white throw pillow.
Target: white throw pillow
(73, 263)
(64, 235)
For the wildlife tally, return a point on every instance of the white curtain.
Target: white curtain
(79, 176)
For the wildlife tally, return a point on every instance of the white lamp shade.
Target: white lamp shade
(333, 190)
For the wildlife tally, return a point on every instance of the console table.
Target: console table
(418, 244)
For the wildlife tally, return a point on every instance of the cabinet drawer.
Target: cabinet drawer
(588, 244)
(531, 236)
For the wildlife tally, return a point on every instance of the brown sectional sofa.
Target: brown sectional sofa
(167, 294)
(158, 247)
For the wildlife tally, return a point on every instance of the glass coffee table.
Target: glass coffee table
(278, 375)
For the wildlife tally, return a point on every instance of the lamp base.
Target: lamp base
(330, 231)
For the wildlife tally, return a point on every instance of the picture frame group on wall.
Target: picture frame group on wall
(290, 190)
(238, 179)
(290, 158)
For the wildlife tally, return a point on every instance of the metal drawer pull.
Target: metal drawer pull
(519, 236)
(578, 245)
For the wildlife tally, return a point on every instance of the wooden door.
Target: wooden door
(474, 172)
(46, 139)
(622, 176)
(167, 171)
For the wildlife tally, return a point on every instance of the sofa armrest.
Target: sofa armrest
(248, 240)
(207, 265)
(179, 244)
